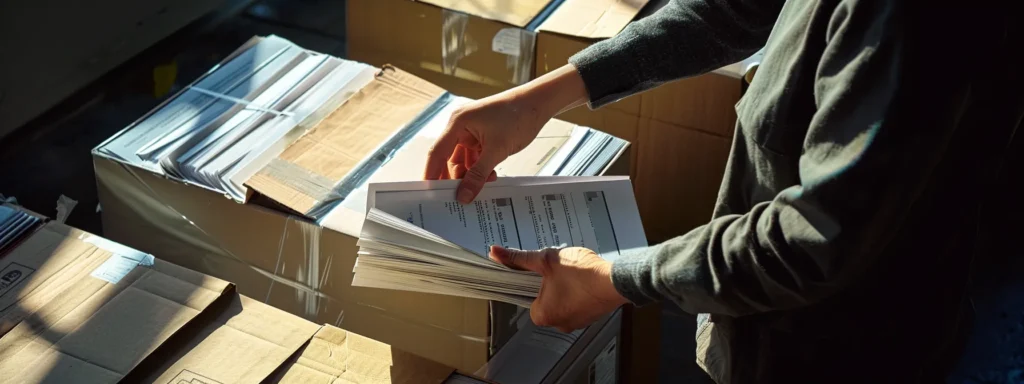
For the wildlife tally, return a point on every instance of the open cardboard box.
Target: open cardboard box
(471, 48)
(86, 309)
(274, 253)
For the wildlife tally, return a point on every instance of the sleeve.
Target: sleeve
(862, 167)
(683, 38)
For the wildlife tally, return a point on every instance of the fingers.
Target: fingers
(536, 261)
(477, 175)
(437, 157)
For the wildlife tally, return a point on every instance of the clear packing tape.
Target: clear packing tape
(290, 263)
(461, 38)
(329, 195)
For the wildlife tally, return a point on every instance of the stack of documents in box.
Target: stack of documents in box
(231, 123)
(560, 149)
(416, 237)
(228, 124)
(13, 224)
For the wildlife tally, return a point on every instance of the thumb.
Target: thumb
(535, 261)
(475, 178)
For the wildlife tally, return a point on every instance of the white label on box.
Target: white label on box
(507, 41)
(123, 260)
(604, 368)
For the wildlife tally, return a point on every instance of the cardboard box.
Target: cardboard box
(241, 340)
(704, 103)
(289, 261)
(545, 355)
(471, 48)
(84, 309)
(693, 119)
(335, 355)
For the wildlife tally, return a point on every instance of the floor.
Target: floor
(51, 157)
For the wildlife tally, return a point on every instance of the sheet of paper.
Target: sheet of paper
(582, 214)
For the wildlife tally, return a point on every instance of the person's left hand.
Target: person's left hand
(576, 289)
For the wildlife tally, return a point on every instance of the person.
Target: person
(841, 241)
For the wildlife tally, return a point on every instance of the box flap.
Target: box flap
(307, 171)
(592, 19)
(338, 356)
(92, 314)
(518, 13)
(245, 343)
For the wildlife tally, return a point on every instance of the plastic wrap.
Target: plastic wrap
(516, 44)
(286, 261)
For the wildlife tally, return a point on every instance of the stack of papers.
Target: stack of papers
(230, 123)
(13, 224)
(587, 153)
(560, 149)
(416, 237)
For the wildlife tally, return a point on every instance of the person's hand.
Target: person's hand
(480, 135)
(576, 288)
(483, 133)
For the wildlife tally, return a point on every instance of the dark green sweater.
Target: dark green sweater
(841, 241)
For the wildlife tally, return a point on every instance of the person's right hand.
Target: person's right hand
(480, 135)
(483, 133)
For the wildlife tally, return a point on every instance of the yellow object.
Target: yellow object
(163, 78)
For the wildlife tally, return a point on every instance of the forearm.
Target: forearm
(552, 93)
(685, 38)
(862, 166)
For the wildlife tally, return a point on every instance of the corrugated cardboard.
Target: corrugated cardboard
(704, 102)
(71, 326)
(286, 261)
(337, 356)
(244, 343)
(698, 109)
(592, 19)
(469, 47)
(161, 323)
(677, 177)
(517, 13)
(305, 173)
(290, 262)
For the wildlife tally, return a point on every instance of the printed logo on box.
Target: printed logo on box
(12, 275)
(189, 377)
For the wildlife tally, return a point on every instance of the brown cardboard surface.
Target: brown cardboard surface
(518, 12)
(245, 343)
(678, 175)
(452, 49)
(289, 263)
(305, 172)
(286, 262)
(462, 82)
(592, 19)
(38, 269)
(334, 355)
(705, 103)
(88, 329)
